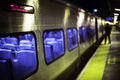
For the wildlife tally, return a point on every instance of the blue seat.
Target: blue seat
(11, 40)
(5, 54)
(8, 46)
(25, 45)
(5, 70)
(48, 53)
(26, 57)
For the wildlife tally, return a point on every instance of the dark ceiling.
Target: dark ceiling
(105, 7)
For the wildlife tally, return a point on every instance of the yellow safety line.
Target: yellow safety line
(95, 67)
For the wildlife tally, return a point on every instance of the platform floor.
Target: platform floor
(105, 62)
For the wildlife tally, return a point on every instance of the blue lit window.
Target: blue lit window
(90, 33)
(72, 38)
(53, 45)
(83, 35)
(20, 50)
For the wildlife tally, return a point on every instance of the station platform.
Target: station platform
(105, 62)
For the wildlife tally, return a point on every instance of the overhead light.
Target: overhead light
(67, 4)
(115, 19)
(94, 10)
(116, 14)
(82, 10)
(116, 9)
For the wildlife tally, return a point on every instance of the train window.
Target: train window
(72, 38)
(53, 45)
(82, 34)
(90, 33)
(20, 49)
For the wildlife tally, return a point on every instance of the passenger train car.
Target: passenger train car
(45, 39)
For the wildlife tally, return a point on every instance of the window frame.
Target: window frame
(44, 47)
(15, 34)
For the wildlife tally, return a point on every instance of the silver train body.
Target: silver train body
(44, 56)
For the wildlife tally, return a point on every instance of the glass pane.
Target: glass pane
(21, 51)
(53, 45)
(90, 32)
(83, 35)
(72, 38)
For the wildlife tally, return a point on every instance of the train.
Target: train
(45, 39)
